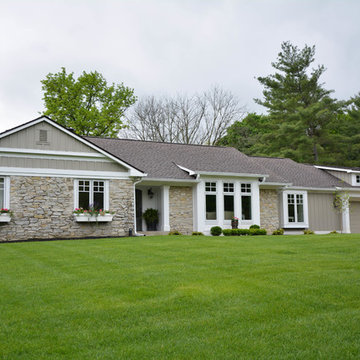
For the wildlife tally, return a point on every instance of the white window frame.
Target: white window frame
(106, 192)
(216, 193)
(286, 223)
(246, 221)
(229, 193)
(6, 204)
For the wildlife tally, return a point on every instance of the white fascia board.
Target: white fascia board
(264, 184)
(133, 171)
(190, 172)
(18, 171)
(101, 159)
(162, 181)
(51, 152)
(349, 171)
(222, 174)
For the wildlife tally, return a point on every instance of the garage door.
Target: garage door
(355, 216)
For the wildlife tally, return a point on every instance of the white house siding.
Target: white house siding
(42, 209)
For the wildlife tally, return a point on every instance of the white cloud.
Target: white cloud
(164, 47)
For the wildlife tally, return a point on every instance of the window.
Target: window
(210, 200)
(246, 201)
(4, 192)
(295, 209)
(228, 201)
(92, 193)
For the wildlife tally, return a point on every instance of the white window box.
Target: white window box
(99, 218)
(5, 217)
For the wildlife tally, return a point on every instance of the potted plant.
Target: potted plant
(234, 222)
(151, 217)
(92, 215)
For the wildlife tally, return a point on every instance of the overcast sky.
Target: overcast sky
(168, 47)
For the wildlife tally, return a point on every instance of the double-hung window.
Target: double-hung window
(4, 192)
(210, 200)
(245, 193)
(228, 200)
(295, 209)
(91, 194)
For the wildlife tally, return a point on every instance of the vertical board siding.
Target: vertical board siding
(57, 140)
(322, 214)
(355, 216)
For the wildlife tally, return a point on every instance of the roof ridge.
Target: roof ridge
(162, 142)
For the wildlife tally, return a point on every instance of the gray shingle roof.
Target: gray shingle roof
(159, 160)
(302, 175)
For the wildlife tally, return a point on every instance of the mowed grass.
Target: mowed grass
(178, 297)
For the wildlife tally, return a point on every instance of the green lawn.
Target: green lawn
(178, 297)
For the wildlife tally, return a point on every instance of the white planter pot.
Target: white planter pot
(5, 218)
(87, 218)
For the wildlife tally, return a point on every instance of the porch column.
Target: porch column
(346, 218)
(165, 207)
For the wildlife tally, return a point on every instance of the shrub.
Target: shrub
(174, 232)
(243, 232)
(254, 226)
(278, 232)
(308, 232)
(333, 232)
(257, 231)
(216, 231)
(194, 233)
(228, 232)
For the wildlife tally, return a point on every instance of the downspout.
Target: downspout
(135, 232)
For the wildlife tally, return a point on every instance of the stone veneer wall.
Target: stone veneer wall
(181, 209)
(269, 210)
(43, 206)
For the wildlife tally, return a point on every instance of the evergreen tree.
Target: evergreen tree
(299, 107)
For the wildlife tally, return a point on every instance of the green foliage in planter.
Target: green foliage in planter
(174, 232)
(254, 226)
(216, 231)
(308, 232)
(197, 233)
(257, 231)
(151, 216)
(278, 232)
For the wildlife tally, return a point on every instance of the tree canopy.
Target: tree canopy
(86, 104)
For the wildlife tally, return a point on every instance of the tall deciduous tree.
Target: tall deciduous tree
(86, 104)
(298, 105)
(198, 119)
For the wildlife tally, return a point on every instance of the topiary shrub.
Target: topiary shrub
(278, 232)
(254, 226)
(197, 233)
(216, 231)
(174, 232)
(257, 231)
(308, 232)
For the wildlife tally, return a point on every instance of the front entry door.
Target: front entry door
(138, 204)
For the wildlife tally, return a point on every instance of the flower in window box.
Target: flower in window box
(6, 211)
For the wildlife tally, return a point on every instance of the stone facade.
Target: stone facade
(181, 209)
(42, 209)
(269, 210)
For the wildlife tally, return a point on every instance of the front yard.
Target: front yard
(177, 297)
